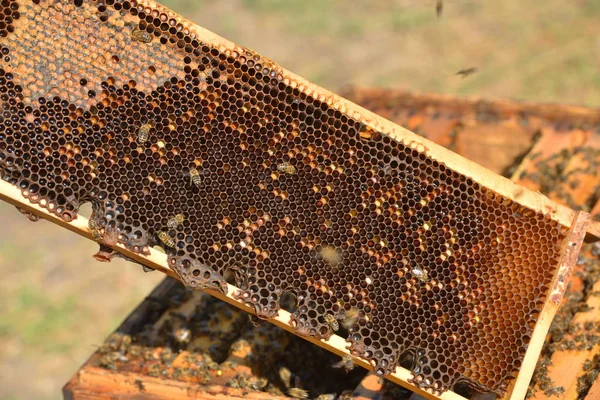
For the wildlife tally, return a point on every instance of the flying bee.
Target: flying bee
(143, 133)
(95, 229)
(195, 177)
(346, 362)
(166, 239)
(332, 322)
(420, 273)
(175, 221)
(350, 318)
(466, 72)
(439, 8)
(298, 393)
(331, 255)
(286, 168)
(141, 36)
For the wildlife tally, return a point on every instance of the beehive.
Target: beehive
(183, 344)
(291, 189)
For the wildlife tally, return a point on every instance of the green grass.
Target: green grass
(38, 320)
(409, 19)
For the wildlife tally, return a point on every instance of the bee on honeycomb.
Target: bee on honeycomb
(195, 177)
(141, 36)
(175, 221)
(144, 133)
(332, 322)
(287, 168)
(166, 239)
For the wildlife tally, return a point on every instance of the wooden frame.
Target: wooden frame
(532, 200)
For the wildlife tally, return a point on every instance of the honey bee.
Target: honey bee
(346, 362)
(166, 239)
(195, 177)
(286, 168)
(141, 36)
(182, 335)
(331, 255)
(333, 323)
(147, 269)
(94, 228)
(466, 72)
(259, 384)
(144, 133)
(175, 221)
(298, 393)
(365, 132)
(439, 8)
(327, 396)
(420, 273)
(350, 318)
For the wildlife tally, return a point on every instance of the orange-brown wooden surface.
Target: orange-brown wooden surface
(101, 384)
(567, 365)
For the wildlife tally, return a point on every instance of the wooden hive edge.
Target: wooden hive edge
(551, 111)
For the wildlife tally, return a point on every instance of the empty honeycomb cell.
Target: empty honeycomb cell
(216, 158)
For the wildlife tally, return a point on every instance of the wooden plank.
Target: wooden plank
(101, 384)
(567, 365)
(594, 393)
(581, 174)
(550, 146)
(495, 145)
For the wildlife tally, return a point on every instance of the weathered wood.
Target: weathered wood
(101, 384)
(594, 393)
(567, 365)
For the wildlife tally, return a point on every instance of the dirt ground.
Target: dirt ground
(58, 304)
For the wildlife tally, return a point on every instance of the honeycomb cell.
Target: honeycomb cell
(215, 156)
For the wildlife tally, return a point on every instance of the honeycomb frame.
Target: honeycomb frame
(156, 260)
(414, 167)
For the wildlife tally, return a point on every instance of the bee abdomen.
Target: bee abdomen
(141, 36)
(166, 239)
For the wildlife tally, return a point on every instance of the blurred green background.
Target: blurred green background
(58, 304)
